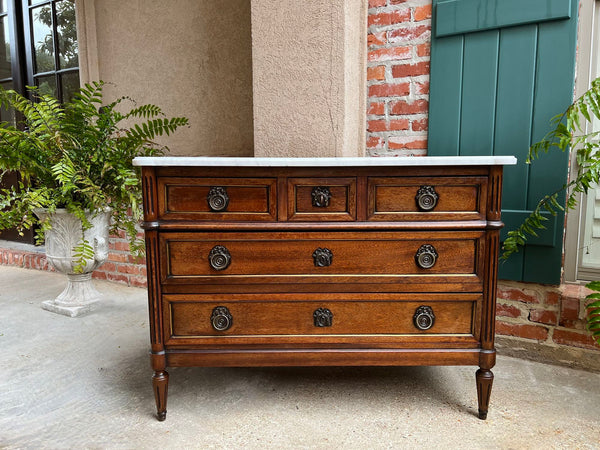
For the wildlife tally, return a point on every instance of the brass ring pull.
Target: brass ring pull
(321, 195)
(217, 198)
(219, 257)
(424, 318)
(426, 256)
(221, 319)
(427, 198)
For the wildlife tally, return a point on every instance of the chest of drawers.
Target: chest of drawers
(322, 262)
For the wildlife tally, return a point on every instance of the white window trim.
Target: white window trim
(586, 61)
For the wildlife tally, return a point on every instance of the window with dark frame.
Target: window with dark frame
(40, 49)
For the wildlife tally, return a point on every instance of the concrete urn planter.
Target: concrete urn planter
(80, 295)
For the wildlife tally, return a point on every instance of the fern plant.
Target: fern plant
(593, 310)
(570, 132)
(78, 156)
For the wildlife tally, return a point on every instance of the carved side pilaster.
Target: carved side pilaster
(154, 300)
(492, 249)
(494, 194)
(488, 321)
(149, 193)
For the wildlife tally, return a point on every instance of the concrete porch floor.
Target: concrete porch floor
(85, 383)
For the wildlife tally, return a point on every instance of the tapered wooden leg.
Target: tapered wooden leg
(484, 378)
(160, 382)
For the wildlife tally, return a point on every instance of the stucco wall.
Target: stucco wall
(192, 58)
(309, 77)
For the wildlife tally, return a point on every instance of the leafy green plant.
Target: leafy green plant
(570, 132)
(593, 310)
(78, 156)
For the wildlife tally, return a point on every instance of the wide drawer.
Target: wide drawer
(322, 199)
(426, 198)
(203, 317)
(318, 257)
(217, 199)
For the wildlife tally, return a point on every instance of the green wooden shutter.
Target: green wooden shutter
(500, 69)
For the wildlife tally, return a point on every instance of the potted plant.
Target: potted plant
(571, 132)
(78, 183)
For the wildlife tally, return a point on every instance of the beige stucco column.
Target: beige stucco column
(192, 58)
(309, 77)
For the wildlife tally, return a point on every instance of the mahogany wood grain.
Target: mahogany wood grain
(250, 199)
(394, 198)
(341, 207)
(324, 357)
(271, 254)
(285, 318)
(325, 172)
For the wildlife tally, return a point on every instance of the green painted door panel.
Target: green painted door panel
(479, 93)
(494, 89)
(445, 118)
(466, 16)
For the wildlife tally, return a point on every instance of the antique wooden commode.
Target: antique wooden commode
(322, 262)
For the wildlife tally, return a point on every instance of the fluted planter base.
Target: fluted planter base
(79, 297)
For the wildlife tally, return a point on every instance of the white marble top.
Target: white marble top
(181, 161)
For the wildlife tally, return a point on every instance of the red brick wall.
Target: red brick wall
(548, 315)
(398, 77)
(121, 266)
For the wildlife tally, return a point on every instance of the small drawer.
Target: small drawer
(187, 318)
(217, 199)
(426, 198)
(321, 199)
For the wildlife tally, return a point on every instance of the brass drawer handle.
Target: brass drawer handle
(221, 319)
(321, 196)
(426, 256)
(219, 257)
(217, 198)
(427, 198)
(323, 317)
(424, 318)
(322, 257)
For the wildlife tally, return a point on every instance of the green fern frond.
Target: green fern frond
(78, 156)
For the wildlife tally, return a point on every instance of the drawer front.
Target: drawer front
(187, 318)
(217, 199)
(321, 199)
(426, 198)
(314, 257)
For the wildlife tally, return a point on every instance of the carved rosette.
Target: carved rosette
(426, 256)
(219, 257)
(321, 195)
(426, 198)
(322, 257)
(217, 198)
(323, 317)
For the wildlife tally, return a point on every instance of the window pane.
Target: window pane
(7, 115)
(43, 43)
(46, 84)
(3, 6)
(70, 84)
(5, 63)
(67, 34)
